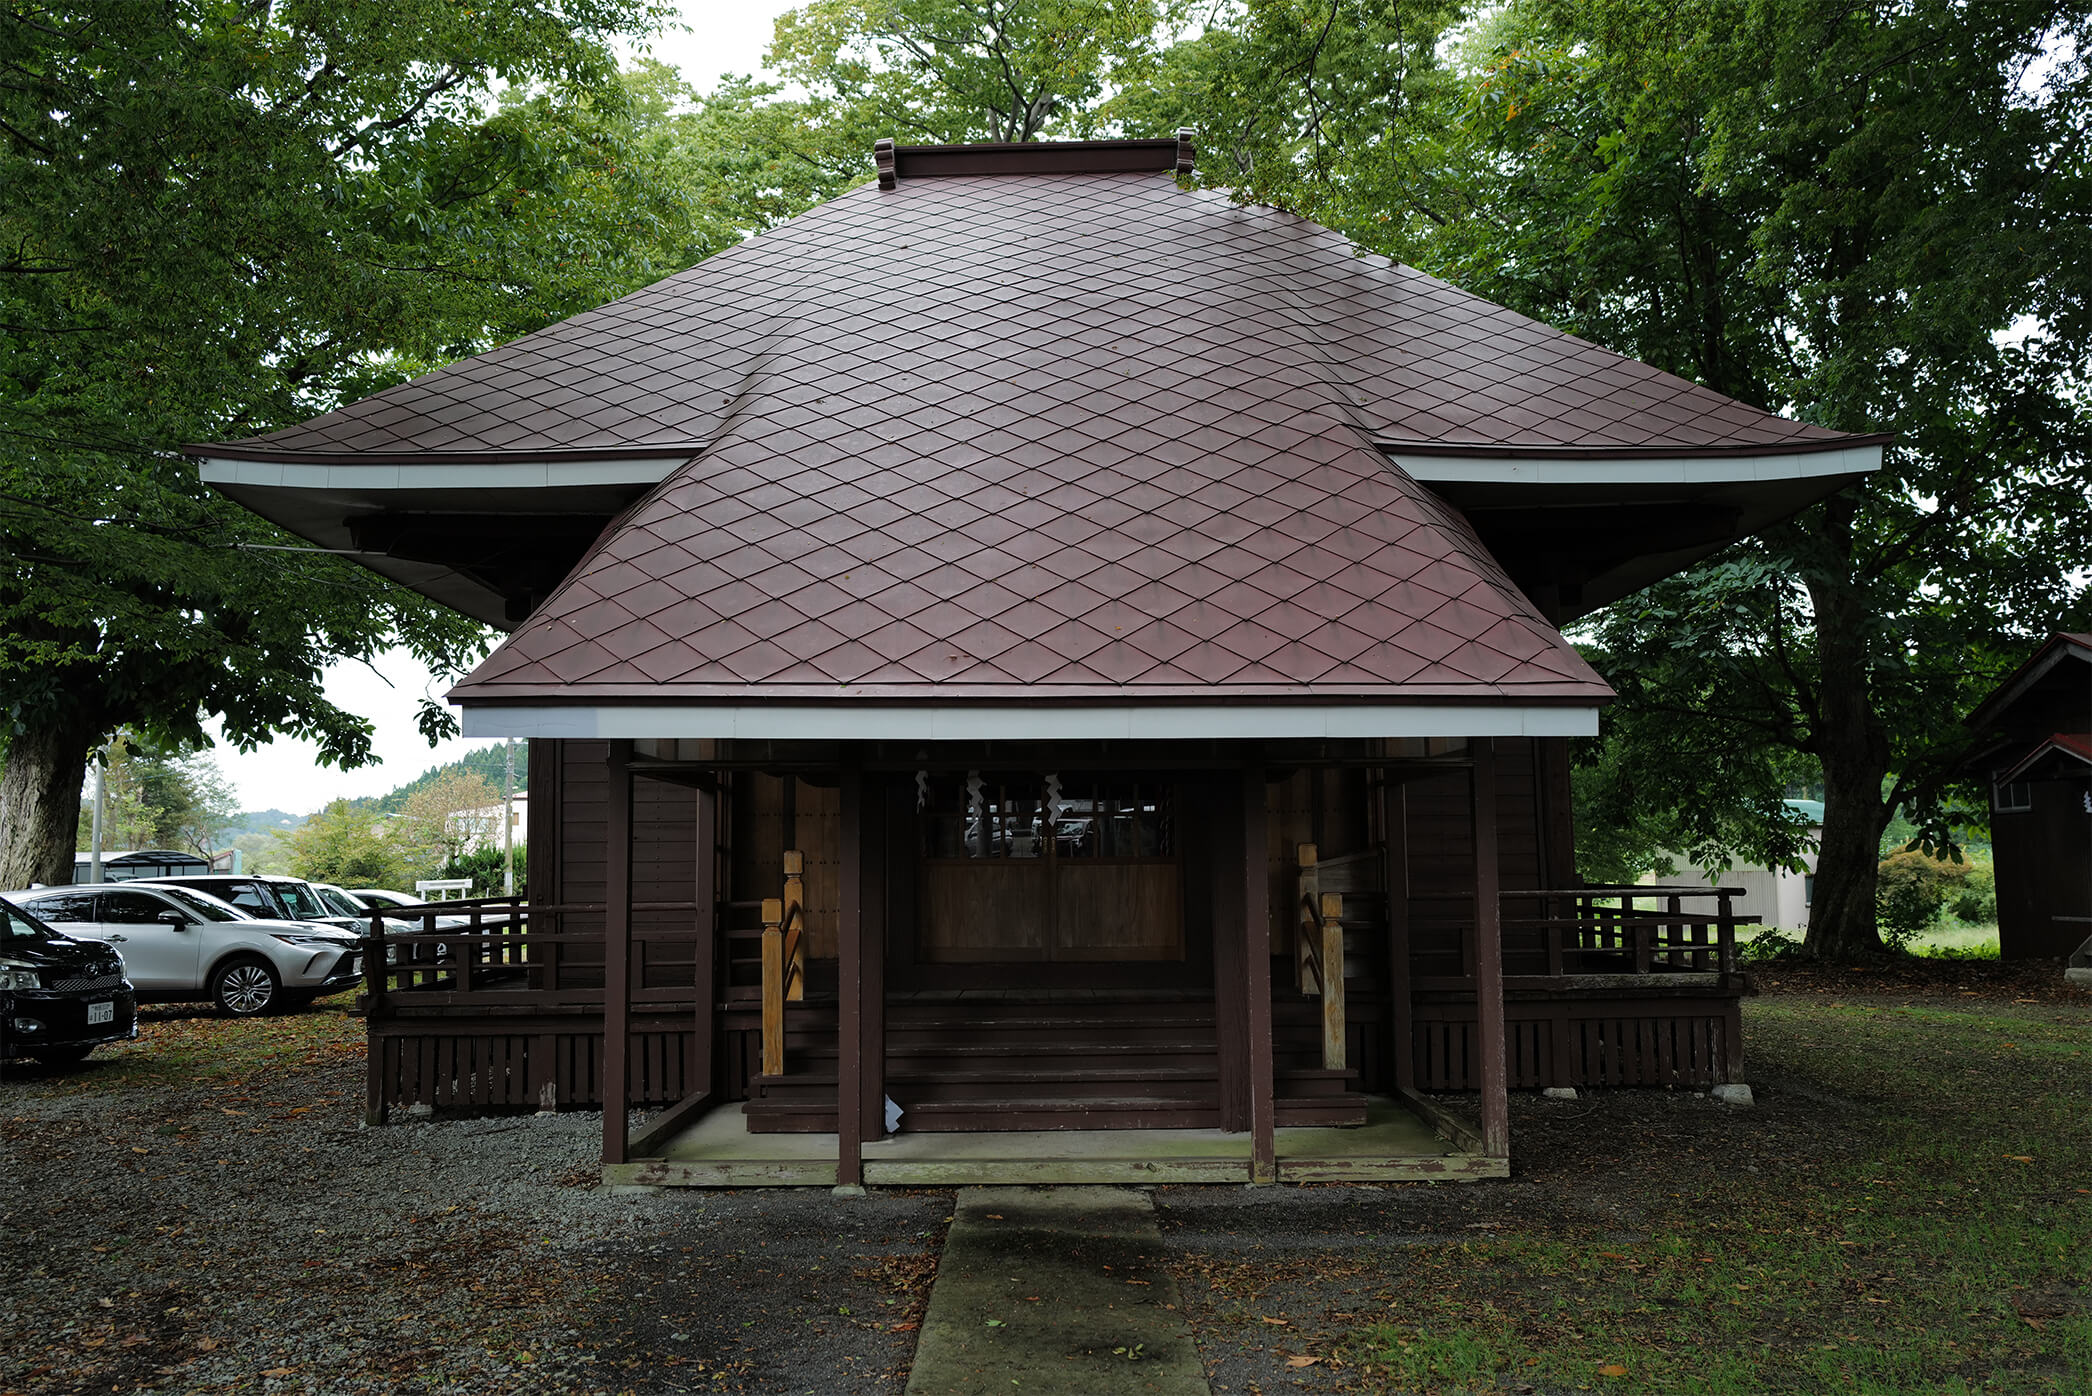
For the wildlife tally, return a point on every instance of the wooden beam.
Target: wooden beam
(1332, 950)
(773, 987)
(795, 902)
(1488, 957)
(617, 950)
(1307, 892)
(850, 976)
(1256, 981)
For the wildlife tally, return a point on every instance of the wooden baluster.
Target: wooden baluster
(1644, 946)
(1553, 923)
(1331, 965)
(469, 960)
(1671, 937)
(773, 987)
(1306, 895)
(795, 901)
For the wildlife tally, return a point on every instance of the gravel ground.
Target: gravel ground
(201, 1211)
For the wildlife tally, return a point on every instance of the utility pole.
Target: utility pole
(94, 843)
(508, 817)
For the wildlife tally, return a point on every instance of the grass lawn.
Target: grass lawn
(1909, 1210)
(1948, 937)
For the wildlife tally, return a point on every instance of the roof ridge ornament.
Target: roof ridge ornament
(882, 156)
(1187, 151)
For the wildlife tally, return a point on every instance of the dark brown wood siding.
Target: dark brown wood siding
(2044, 871)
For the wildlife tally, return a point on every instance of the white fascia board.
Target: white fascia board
(1680, 470)
(928, 723)
(512, 475)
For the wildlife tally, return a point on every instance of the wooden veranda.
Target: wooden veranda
(1317, 998)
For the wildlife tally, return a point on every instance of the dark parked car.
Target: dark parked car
(59, 997)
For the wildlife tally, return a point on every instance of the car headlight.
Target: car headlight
(294, 938)
(19, 976)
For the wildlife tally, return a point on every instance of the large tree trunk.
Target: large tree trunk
(40, 803)
(1855, 754)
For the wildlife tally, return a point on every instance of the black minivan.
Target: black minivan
(59, 998)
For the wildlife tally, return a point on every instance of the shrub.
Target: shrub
(1767, 947)
(1975, 902)
(1912, 891)
(483, 866)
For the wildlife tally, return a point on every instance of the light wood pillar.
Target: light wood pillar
(1488, 957)
(1256, 978)
(617, 953)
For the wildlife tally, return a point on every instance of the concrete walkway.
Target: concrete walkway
(1054, 1290)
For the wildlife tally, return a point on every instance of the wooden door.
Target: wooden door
(1031, 867)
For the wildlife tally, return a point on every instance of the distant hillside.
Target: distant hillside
(259, 821)
(487, 762)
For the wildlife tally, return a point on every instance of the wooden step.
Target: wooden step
(1344, 1110)
(1060, 1112)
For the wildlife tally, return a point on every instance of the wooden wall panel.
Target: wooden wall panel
(758, 848)
(1440, 849)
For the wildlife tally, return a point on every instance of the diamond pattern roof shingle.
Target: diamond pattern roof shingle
(1031, 437)
(662, 369)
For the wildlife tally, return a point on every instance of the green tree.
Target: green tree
(221, 218)
(350, 848)
(1872, 216)
(154, 800)
(458, 811)
(965, 70)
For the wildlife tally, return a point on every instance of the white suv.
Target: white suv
(179, 945)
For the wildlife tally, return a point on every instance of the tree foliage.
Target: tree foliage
(222, 218)
(151, 799)
(1872, 216)
(947, 71)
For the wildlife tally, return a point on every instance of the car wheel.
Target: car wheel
(246, 987)
(69, 1054)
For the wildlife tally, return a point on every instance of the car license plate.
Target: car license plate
(101, 1013)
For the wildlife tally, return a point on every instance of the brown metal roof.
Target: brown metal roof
(1425, 366)
(1042, 438)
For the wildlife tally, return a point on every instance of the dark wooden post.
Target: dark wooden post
(1489, 958)
(1230, 969)
(871, 963)
(849, 1000)
(1394, 820)
(705, 955)
(374, 1012)
(1256, 979)
(617, 949)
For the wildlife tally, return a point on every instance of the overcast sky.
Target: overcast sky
(719, 38)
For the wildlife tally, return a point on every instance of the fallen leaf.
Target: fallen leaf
(992, 1216)
(1302, 1361)
(1279, 1322)
(207, 1344)
(1612, 1369)
(278, 1371)
(996, 1323)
